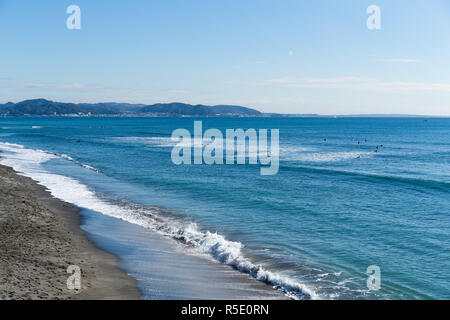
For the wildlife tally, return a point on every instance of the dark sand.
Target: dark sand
(40, 237)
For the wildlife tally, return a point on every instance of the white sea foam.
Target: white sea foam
(222, 145)
(328, 156)
(28, 162)
(64, 156)
(9, 146)
(286, 151)
(163, 141)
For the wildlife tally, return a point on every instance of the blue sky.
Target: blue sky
(277, 56)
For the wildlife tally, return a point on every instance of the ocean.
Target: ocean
(335, 208)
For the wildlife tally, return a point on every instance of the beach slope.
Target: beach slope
(41, 238)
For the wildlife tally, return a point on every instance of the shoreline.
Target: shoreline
(49, 235)
(41, 238)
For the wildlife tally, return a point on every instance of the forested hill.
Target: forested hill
(43, 107)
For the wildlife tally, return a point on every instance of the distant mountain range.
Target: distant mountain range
(43, 107)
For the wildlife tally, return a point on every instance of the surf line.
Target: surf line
(240, 147)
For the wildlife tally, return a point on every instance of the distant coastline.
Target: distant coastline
(48, 108)
(43, 107)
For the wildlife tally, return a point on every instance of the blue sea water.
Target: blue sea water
(312, 230)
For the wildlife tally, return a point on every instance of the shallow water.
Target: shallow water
(164, 271)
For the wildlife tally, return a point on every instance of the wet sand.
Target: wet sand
(165, 270)
(41, 238)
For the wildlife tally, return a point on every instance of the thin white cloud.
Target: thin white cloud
(353, 83)
(177, 91)
(256, 62)
(42, 86)
(400, 60)
(39, 85)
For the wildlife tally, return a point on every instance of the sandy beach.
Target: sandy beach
(41, 238)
